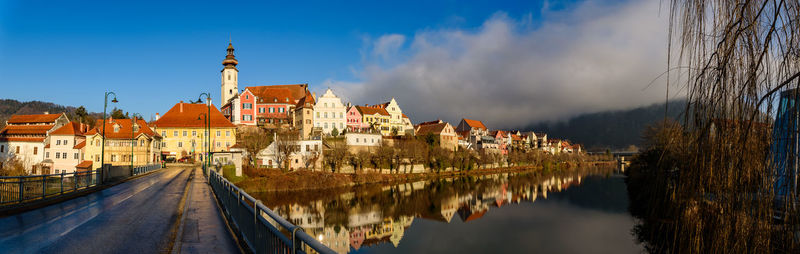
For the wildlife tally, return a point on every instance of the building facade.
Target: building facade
(65, 149)
(126, 141)
(329, 113)
(183, 131)
(442, 131)
(376, 118)
(25, 137)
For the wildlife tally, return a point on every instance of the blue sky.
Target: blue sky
(155, 53)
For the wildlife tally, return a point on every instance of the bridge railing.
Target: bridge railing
(146, 169)
(262, 229)
(21, 189)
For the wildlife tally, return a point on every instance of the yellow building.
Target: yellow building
(123, 142)
(376, 117)
(183, 131)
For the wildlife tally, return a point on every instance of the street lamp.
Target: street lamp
(206, 145)
(133, 136)
(103, 145)
(206, 163)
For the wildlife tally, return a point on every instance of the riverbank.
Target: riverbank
(269, 180)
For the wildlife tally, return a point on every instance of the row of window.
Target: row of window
(3, 149)
(333, 115)
(332, 125)
(271, 110)
(66, 142)
(75, 156)
(194, 133)
(180, 144)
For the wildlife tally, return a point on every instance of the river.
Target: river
(583, 211)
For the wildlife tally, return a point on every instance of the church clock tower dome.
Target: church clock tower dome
(230, 76)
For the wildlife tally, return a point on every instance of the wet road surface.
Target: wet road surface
(145, 215)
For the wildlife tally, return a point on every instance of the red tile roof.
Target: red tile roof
(364, 110)
(41, 118)
(79, 145)
(435, 129)
(297, 91)
(26, 130)
(18, 139)
(268, 94)
(475, 123)
(71, 128)
(84, 164)
(191, 117)
(124, 131)
(431, 122)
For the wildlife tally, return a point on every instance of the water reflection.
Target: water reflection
(378, 217)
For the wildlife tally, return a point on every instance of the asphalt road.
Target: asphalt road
(144, 215)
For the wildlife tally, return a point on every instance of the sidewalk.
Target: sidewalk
(203, 229)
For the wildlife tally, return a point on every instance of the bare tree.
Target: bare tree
(310, 159)
(253, 140)
(336, 154)
(286, 143)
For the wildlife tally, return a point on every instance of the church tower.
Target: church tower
(230, 76)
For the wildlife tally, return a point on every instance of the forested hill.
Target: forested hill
(611, 129)
(10, 107)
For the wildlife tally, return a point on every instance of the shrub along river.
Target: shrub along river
(580, 211)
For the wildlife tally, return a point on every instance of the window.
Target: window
(326, 104)
(64, 155)
(218, 133)
(218, 144)
(175, 133)
(272, 110)
(2, 148)
(227, 144)
(164, 134)
(47, 155)
(247, 106)
(113, 157)
(326, 125)
(280, 110)
(58, 155)
(35, 150)
(97, 158)
(318, 115)
(194, 133)
(260, 110)
(58, 142)
(247, 96)
(229, 76)
(180, 144)
(228, 133)
(316, 147)
(308, 148)
(326, 115)
(163, 144)
(185, 133)
(308, 121)
(58, 172)
(76, 156)
(248, 118)
(141, 142)
(17, 150)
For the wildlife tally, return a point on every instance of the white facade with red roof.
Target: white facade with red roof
(25, 136)
(65, 149)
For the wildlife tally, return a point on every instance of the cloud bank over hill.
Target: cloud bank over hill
(511, 72)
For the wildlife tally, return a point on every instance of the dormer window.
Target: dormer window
(116, 128)
(135, 128)
(287, 99)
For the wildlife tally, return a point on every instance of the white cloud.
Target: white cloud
(588, 58)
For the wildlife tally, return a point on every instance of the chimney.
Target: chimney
(181, 106)
(157, 117)
(314, 94)
(47, 112)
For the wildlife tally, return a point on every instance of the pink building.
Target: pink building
(265, 105)
(355, 121)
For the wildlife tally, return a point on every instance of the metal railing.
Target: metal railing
(146, 169)
(21, 189)
(262, 230)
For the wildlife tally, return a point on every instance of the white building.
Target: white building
(362, 141)
(25, 136)
(309, 150)
(329, 113)
(64, 151)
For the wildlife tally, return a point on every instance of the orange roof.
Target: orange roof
(191, 117)
(18, 139)
(297, 91)
(430, 122)
(71, 128)
(41, 118)
(124, 131)
(84, 164)
(371, 110)
(435, 129)
(267, 94)
(475, 123)
(79, 145)
(26, 129)
(405, 116)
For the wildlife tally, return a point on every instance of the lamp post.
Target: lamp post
(206, 148)
(103, 135)
(133, 136)
(206, 163)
